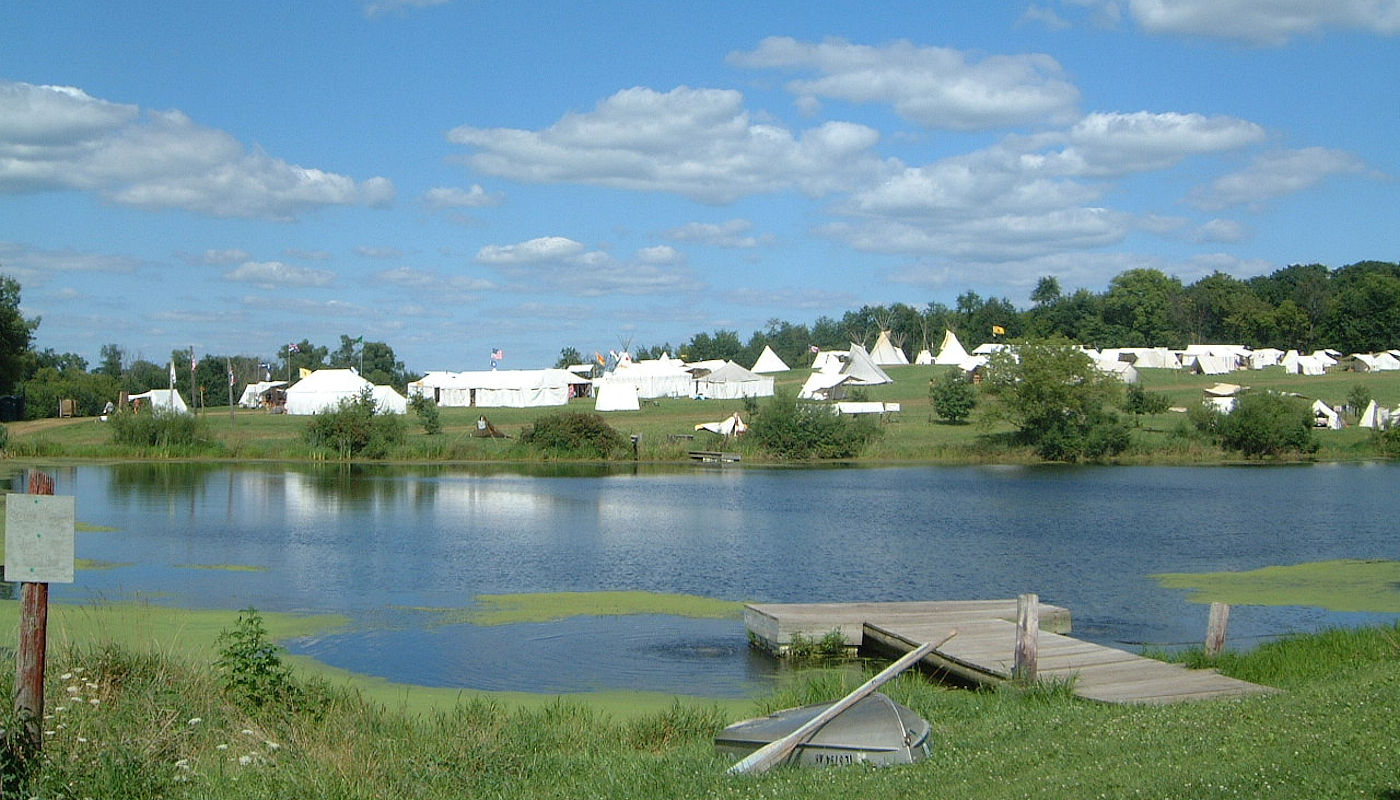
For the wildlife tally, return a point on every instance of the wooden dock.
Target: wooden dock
(983, 650)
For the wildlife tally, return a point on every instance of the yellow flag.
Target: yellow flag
(997, 330)
(304, 372)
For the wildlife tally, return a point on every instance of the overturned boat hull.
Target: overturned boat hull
(876, 731)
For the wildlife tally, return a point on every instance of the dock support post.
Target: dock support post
(1027, 638)
(1215, 630)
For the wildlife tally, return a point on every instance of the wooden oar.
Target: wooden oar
(775, 752)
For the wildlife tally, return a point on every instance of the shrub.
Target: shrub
(427, 410)
(1358, 397)
(251, 667)
(356, 428)
(953, 396)
(1058, 400)
(1138, 401)
(1267, 424)
(156, 429)
(789, 429)
(570, 433)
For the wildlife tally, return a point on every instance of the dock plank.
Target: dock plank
(984, 648)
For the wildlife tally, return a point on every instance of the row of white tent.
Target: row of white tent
(1205, 359)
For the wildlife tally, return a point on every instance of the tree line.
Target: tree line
(1355, 308)
(1351, 309)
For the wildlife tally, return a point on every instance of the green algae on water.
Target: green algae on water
(1340, 585)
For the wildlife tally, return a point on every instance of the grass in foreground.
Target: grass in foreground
(164, 727)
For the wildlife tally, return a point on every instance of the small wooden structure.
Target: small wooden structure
(713, 456)
(985, 649)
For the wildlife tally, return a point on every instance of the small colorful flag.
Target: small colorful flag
(172, 373)
(497, 354)
(292, 348)
(814, 349)
(997, 330)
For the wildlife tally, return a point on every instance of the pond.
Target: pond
(398, 549)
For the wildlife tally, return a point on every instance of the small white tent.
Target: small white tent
(615, 396)
(732, 381)
(862, 370)
(768, 361)
(1375, 417)
(886, 354)
(823, 386)
(163, 400)
(253, 393)
(951, 353)
(1325, 416)
(663, 377)
(924, 357)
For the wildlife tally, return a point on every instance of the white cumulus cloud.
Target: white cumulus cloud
(700, 143)
(278, 275)
(535, 251)
(440, 197)
(60, 138)
(1258, 22)
(937, 87)
(1277, 174)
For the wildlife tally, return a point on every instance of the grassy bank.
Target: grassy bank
(132, 723)
(910, 435)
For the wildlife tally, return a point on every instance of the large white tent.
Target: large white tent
(768, 361)
(662, 377)
(514, 388)
(862, 369)
(326, 389)
(732, 381)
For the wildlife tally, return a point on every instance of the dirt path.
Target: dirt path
(36, 425)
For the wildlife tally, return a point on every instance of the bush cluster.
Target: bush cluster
(791, 430)
(1262, 424)
(953, 396)
(156, 429)
(574, 434)
(355, 428)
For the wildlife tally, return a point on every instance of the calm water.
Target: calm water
(383, 544)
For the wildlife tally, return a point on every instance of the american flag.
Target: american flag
(497, 354)
(292, 348)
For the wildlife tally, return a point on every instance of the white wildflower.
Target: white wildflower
(65, 676)
(244, 761)
(95, 701)
(271, 745)
(194, 720)
(221, 747)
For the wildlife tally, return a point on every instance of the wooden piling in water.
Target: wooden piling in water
(1027, 638)
(1215, 629)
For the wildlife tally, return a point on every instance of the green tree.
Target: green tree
(1358, 397)
(110, 359)
(1365, 313)
(1047, 290)
(63, 362)
(143, 376)
(16, 335)
(90, 392)
(1142, 307)
(1057, 400)
(953, 396)
(567, 357)
(1267, 424)
(704, 347)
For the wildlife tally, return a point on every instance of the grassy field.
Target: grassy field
(128, 722)
(910, 435)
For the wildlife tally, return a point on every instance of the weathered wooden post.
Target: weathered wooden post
(38, 551)
(1027, 638)
(1215, 629)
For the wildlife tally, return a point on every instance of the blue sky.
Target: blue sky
(453, 176)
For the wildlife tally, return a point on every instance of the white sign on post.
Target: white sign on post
(38, 538)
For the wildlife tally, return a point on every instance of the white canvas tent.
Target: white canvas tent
(1207, 364)
(1325, 416)
(163, 400)
(506, 388)
(1375, 417)
(252, 396)
(732, 426)
(951, 352)
(325, 389)
(1149, 357)
(886, 354)
(924, 357)
(732, 381)
(1122, 370)
(768, 361)
(663, 377)
(862, 370)
(615, 396)
(823, 386)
